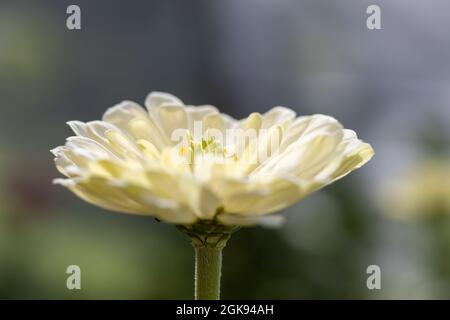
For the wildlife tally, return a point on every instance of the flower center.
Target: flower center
(206, 149)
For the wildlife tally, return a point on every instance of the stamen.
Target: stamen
(182, 151)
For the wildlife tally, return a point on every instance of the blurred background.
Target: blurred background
(316, 56)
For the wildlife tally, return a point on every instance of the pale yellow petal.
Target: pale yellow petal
(253, 121)
(134, 120)
(121, 114)
(186, 191)
(306, 155)
(146, 129)
(268, 221)
(172, 119)
(304, 126)
(252, 197)
(277, 116)
(156, 99)
(197, 114)
(122, 196)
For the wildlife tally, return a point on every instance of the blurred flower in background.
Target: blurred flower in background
(420, 191)
(420, 194)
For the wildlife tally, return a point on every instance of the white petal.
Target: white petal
(133, 119)
(125, 147)
(306, 125)
(196, 114)
(100, 192)
(156, 99)
(123, 112)
(186, 191)
(253, 121)
(88, 148)
(128, 198)
(251, 197)
(269, 221)
(96, 131)
(74, 158)
(277, 116)
(146, 129)
(172, 119)
(309, 152)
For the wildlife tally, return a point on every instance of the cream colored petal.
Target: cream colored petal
(269, 142)
(79, 128)
(128, 198)
(185, 190)
(253, 121)
(134, 120)
(73, 158)
(277, 116)
(64, 164)
(150, 151)
(123, 112)
(99, 131)
(172, 119)
(125, 147)
(309, 153)
(242, 196)
(260, 204)
(351, 154)
(94, 130)
(214, 121)
(237, 163)
(99, 139)
(99, 191)
(304, 126)
(172, 161)
(165, 209)
(93, 199)
(219, 126)
(84, 167)
(88, 147)
(325, 158)
(353, 159)
(268, 221)
(321, 151)
(156, 99)
(146, 129)
(196, 115)
(113, 170)
(244, 139)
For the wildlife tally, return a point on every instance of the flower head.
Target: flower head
(184, 164)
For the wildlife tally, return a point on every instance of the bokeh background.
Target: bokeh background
(315, 56)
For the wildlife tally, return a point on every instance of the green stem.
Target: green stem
(208, 239)
(208, 266)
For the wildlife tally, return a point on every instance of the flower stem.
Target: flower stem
(208, 266)
(208, 240)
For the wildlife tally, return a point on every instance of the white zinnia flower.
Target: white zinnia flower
(129, 162)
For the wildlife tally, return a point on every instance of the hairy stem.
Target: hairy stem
(208, 267)
(208, 239)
